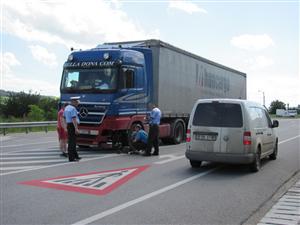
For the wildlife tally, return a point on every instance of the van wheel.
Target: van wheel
(195, 164)
(255, 166)
(273, 156)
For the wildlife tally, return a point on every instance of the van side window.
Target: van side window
(268, 118)
(262, 120)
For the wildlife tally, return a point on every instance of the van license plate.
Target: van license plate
(205, 137)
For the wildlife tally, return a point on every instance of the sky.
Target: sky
(259, 38)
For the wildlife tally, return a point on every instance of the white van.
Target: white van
(230, 130)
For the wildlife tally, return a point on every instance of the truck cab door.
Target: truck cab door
(132, 90)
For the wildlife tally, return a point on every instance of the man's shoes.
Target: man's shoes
(155, 153)
(64, 154)
(146, 154)
(75, 160)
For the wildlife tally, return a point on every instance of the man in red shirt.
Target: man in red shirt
(62, 131)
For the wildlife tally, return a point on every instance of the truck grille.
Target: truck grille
(91, 114)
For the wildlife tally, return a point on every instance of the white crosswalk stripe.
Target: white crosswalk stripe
(37, 158)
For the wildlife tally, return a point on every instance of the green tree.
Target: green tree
(50, 107)
(276, 105)
(36, 113)
(17, 104)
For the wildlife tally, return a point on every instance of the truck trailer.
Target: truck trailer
(116, 82)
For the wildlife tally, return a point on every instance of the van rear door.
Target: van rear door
(205, 132)
(231, 121)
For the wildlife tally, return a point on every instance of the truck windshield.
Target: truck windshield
(89, 80)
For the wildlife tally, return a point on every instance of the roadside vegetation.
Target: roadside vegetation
(27, 107)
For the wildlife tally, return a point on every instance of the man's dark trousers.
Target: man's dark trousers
(72, 142)
(153, 139)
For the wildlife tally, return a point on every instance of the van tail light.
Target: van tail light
(188, 135)
(247, 138)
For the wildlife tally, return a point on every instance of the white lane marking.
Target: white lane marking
(19, 145)
(34, 161)
(40, 155)
(4, 138)
(289, 139)
(170, 158)
(60, 164)
(29, 150)
(141, 199)
(30, 154)
(17, 168)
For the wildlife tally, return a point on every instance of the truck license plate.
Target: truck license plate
(84, 132)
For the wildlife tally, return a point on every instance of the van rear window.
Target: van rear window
(218, 115)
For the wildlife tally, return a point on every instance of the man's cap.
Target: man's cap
(75, 98)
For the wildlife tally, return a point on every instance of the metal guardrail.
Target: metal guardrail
(27, 125)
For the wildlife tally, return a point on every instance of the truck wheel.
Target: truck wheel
(195, 164)
(83, 146)
(178, 133)
(273, 156)
(255, 166)
(129, 137)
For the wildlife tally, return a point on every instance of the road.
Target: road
(40, 187)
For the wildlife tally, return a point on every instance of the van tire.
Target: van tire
(273, 156)
(195, 164)
(255, 166)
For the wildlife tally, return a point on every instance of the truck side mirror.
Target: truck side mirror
(275, 123)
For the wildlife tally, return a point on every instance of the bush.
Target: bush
(17, 104)
(36, 113)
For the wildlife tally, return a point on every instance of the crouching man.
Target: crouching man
(139, 140)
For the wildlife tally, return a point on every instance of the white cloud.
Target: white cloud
(252, 42)
(186, 6)
(41, 54)
(10, 81)
(8, 60)
(15, 83)
(259, 62)
(283, 87)
(70, 23)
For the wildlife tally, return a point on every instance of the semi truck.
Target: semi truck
(116, 82)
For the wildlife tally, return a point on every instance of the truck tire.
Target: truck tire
(129, 134)
(178, 132)
(83, 146)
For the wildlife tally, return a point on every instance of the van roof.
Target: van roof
(229, 100)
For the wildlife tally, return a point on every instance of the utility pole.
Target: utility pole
(264, 97)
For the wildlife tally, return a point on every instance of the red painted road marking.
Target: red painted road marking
(95, 183)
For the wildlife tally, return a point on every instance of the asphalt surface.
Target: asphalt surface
(162, 189)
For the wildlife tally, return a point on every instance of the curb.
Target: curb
(259, 216)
